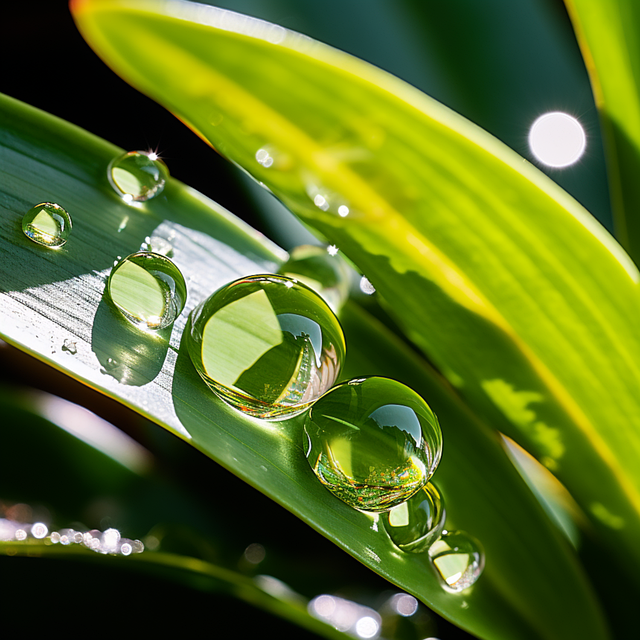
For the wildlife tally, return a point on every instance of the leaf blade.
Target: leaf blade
(47, 297)
(519, 297)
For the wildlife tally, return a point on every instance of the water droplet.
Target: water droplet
(366, 286)
(264, 158)
(148, 289)
(126, 549)
(332, 250)
(266, 345)
(47, 224)
(138, 175)
(343, 211)
(326, 275)
(458, 559)
(372, 442)
(21, 534)
(55, 537)
(417, 523)
(321, 202)
(70, 346)
(157, 244)
(39, 530)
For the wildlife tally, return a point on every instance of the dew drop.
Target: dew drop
(373, 442)
(126, 549)
(343, 211)
(366, 286)
(21, 534)
(417, 523)
(267, 345)
(327, 275)
(264, 158)
(138, 175)
(157, 244)
(458, 559)
(148, 289)
(47, 224)
(70, 346)
(39, 530)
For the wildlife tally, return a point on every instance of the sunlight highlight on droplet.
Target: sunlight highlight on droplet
(557, 139)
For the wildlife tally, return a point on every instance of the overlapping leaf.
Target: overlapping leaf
(609, 36)
(524, 302)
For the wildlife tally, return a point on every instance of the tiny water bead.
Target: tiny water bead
(148, 289)
(373, 442)
(326, 274)
(47, 224)
(417, 523)
(138, 175)
(266, 345)
(458, 559)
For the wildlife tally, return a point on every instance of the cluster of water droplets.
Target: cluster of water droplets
(106, 542)
(272, 347)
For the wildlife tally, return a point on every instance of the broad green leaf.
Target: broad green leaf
(532, 587)
(521, 299)
(609, 36)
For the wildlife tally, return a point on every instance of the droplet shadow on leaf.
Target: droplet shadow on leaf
(130, 355)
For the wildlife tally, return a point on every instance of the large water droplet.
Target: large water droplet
(148, 289)
(138, 175)
(373, 442)
(458, 559)
(47, 224)
(417, 523)
(325, 274)
(266, 345)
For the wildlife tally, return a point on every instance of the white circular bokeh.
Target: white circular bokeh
(557, 139)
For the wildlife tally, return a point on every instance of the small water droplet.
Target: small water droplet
(373, 444)
(417, 523)
(264, 158)
(267, 345)
(321, 202)
(21, 534)
(47, 224)
(148, 289)
(366, 286)
(126, 549)
(458, 559)
(55, 537)
(326, 275)
(137, 546)
(39, 530)
(343, 211)
(138, 175)
(157, 244)
(70, 346)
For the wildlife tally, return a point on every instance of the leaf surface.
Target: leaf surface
(521, 299)
(51, 296)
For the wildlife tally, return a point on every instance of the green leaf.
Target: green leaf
(532, 587)
(609, 36)
(521, 299)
